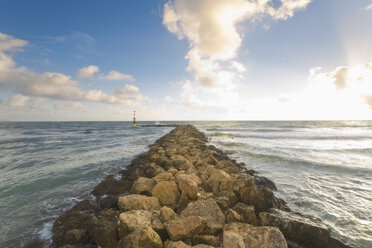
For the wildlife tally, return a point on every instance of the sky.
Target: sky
(185, 60)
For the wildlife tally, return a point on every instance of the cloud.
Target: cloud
(369, 7)
(69, 106)
(115, 75)
(168, 99)
(9, 43)
(211, 28)
(17, 100)
(368, 100)
(53, 85)
(87, 72)
(341, 77)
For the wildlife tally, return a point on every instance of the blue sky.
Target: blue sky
(246, 59)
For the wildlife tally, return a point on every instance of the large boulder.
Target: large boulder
(138, 202)
(246, 212)
(205, 208)
(143, 185)
(206, 240)
(180, 162)
(304, 231)
(240, 235)
(184, 228)
(167, 214)
(143, 237)
(164, 176)
(131, 220)
(189, 184)
(215, 178)
(104, 229)
(111, 186)
(167, 192)
(176, 244)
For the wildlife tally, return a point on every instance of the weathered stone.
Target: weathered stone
(167, 214)
(215, 178)
(182, 203)
(240, 235)
(104, 229)
(176, 244)
(260, 197)
(111, 186)
(235, 182)
(157, 224)
(74, 236)
(232, 198)
(247, 212)
(205, 208)
(232, 216)
(167, 192)
(186, 227)
(143, 237)
(143, 185)
(206, 240)
(302, 230)
(189, 184)
(131, 220)
(180, 162)
(108, 201)
(202, 246)
(164, 176)
(138, 202)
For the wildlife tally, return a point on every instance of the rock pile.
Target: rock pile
(184, 193)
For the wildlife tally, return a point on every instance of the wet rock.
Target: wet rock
(236, 182)
(143, 185)
(247, 212)
(143, 237)
(302, 230)
(167, 192)
(152, 170)
(138, 202)
(104, 229)
(264, 181)
(244, 235)
(260, 197)
(86, 205)
(206, 240)
(34, 243)
(184, 228)
(167, 214)
(111, 186)
(108, 201)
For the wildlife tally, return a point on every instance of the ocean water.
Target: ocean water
(321, 168)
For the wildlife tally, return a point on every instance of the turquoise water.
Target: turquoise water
(323, 169)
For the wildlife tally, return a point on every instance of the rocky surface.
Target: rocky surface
(186, 193)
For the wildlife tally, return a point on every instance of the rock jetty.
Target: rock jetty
(186, 193)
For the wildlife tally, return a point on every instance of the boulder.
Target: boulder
(104, 229)
(235, 182)
(184, 228)
(205, 208)
(189, 184)
(260, 197)
(108, 201)
(111, 186)
(232, 216)
(142, 185)
(206, 240)
(241, 235)
(182, 203)
(247, 212)
(143, 237)
(304, 231)
(176, 244)
(138, 202)
(167, 192)
(164, 176)
(167, 214)
(180, 162)
(131, 220)
(215, 178)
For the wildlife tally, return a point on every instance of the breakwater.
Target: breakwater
(184, 193)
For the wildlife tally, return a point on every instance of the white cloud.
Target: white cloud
(211, 28)
(69, 106)
(9, 43)
(168, 99)
(17, 100)
(87, 72)
(115, 75)
(369, 7)
(53, 85)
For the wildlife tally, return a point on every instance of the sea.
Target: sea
(321, 168)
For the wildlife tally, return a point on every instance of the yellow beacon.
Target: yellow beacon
(134, 119)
